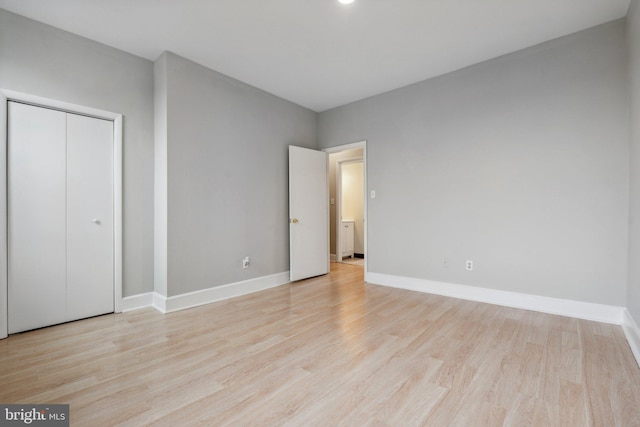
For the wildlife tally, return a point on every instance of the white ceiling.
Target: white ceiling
(319, 53)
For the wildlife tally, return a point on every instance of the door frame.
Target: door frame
(9, 95)
(336, 149)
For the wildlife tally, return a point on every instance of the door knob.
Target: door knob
(294, 220)
(96, 221)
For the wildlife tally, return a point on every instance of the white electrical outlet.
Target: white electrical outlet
(245, 262)
(469, 265)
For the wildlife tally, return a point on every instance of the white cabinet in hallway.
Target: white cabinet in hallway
(60, 217)
(347, 238)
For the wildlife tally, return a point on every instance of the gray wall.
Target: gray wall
(227, 176)
(40, 60)
(519, 164)
(633, 31)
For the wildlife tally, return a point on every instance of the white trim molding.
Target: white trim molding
(205, 296)
(578, 309)
(632, 333)
(118, 219)
(135, 302)
(159, 302)
(4, 301)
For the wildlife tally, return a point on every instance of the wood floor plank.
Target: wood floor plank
(329, 351)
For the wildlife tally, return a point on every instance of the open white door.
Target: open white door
(308, 213)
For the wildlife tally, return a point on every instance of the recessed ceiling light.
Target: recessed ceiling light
(346, 1)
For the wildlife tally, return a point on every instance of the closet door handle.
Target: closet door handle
(96, 221)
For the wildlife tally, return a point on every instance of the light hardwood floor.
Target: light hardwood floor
(326, 352)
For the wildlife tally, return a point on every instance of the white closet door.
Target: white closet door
(36, 217)
(89, 217)
(60, 222)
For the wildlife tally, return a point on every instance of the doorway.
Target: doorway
(314, 209)
(348, 203)
(350, 211)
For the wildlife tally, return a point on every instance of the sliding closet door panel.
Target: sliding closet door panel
(89, 217)
(36, 217)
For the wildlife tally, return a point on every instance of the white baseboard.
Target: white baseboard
(159, 302)
(218, 293)
(578, 309)
(204, 296)
(632, 332)
(136, 302)
(333, 257)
